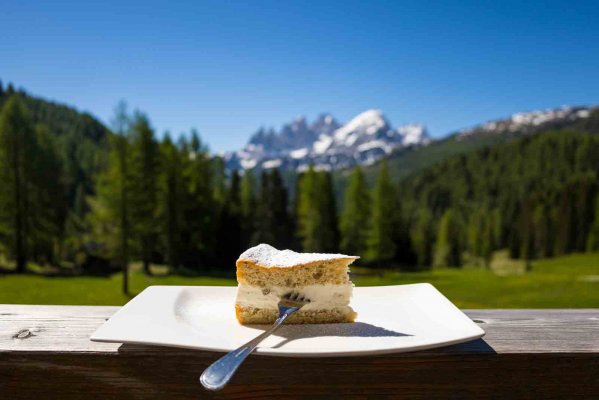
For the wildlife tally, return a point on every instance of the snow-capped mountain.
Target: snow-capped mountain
(326, 144)
(528, 122)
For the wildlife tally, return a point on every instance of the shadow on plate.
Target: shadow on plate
(305, 331)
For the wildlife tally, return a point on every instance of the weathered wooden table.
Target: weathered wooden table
(45, 353)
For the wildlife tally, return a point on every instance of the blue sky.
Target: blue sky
(227, 68)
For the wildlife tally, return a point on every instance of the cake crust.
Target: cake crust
(318, 272)
(260, 316)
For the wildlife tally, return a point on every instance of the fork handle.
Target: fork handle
(217, 375)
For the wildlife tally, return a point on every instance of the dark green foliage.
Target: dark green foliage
(316, 212)
(422, 238)
(534, 195)
(329, 230)
(219, 179)
(406, 162)
(593, 239)
(526, 230)
(489, 235)
(111, 210)
(575, 214)
(199, 206)
(81, 140)
(48, 205)
(272, 220)
(308, 213)
(475, 232)
(248, 207)
(356, 215)
(172, 194)
(145, 164)
(449, 246)
(32, 202)
(228, 228)
(481, 235)
(382, 229)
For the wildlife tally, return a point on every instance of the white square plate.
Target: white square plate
(390, 319)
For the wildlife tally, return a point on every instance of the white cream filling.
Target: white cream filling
(322, 297)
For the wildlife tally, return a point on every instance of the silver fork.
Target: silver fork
(217, 375)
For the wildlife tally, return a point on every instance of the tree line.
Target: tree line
(169, 201)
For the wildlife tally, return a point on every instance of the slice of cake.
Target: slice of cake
(265, 274)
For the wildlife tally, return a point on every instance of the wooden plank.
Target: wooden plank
(67, 328)
(45, 352)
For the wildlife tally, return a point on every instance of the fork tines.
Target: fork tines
(295, 297)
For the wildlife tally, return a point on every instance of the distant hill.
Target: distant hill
(81, 138)
(409, 161)
(59, 118)
(404, 162)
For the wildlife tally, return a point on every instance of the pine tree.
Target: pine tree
(593, 238)
(381, 247)
(586, 189)
(327, 208)
(48, 205)
(566, 231)
(248, 193)
(308, 215)
(76, 226)
(171, 201)
(262, 220)
(448, 246)
(144, 169)
(228, 227)
(488, 237)
(248, 206)
(19, 153)
(356, 214)
(541, 228)
(317, 212)
(273, 220)
(219, 179)
(526, 227)
(422, 238)
(475, 234)
(496, 229)
(514, 240)
(111, 210)
(200, 206)
(281, 221)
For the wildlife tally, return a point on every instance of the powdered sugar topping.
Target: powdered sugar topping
(267, 256)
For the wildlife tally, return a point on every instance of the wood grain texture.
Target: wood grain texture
(45, 352)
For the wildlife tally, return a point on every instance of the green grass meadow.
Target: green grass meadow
(564, 282)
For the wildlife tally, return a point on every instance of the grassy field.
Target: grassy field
(571, 281)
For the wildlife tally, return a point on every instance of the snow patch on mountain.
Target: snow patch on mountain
(413, 134)
(527, 122)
